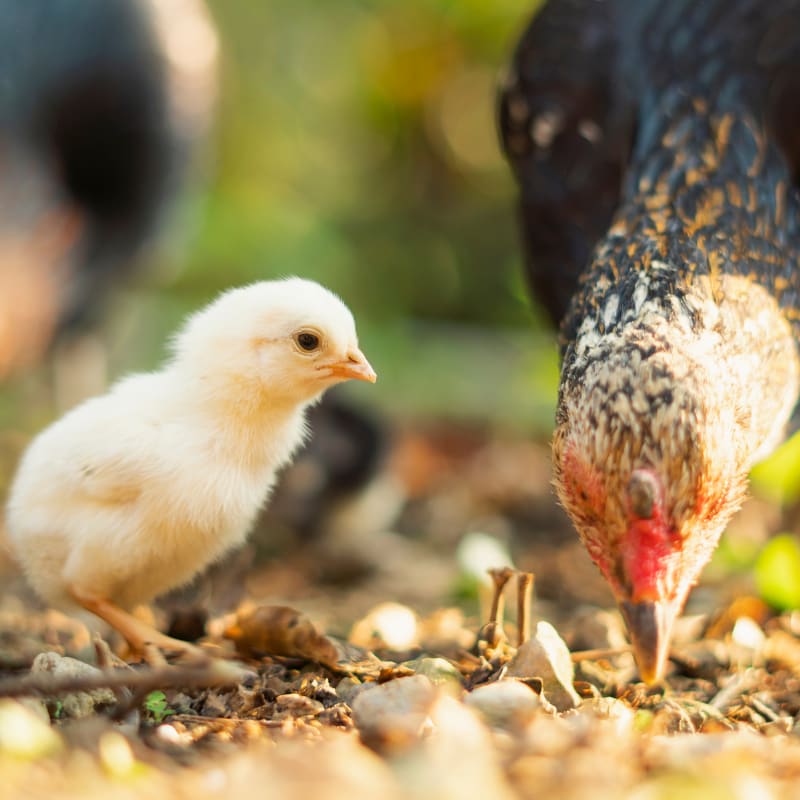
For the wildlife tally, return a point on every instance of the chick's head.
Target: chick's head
(291, 339)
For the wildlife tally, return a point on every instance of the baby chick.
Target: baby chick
(133, 493)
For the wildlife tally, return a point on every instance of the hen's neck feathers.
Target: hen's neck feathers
(679, 349)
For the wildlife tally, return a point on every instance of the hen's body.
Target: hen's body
(657, 152)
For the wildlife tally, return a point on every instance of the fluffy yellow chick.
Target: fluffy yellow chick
(133, 493)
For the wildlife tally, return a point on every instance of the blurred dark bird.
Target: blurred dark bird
(657, 150)
(99, 102)
(347, 448)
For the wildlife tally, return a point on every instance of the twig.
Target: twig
(492, 630)
(739, 684)
(214, 673)
(524, 595)
(226, 722)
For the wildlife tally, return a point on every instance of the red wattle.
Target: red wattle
(648, 555)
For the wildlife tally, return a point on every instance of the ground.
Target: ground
(357, 663)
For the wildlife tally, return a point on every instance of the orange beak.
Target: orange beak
(355, 367)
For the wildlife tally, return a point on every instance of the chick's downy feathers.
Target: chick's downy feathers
(132, 493)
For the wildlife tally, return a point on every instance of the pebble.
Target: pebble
(507, 704)
(297, 705)
(394, 715)
(440, 672)
(546, 656)
(458, 761)
(74, 705)
(116, 755)
(387, 625)
(24, 734)
(349, 688)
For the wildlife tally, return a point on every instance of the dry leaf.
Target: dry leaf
(281, 631)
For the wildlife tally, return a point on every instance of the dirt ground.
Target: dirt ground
(348, 658)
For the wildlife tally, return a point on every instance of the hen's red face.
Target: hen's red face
(627, 524)
(626, 528)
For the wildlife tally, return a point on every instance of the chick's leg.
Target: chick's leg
(139, 635)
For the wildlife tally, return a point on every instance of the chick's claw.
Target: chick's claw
(142, 638)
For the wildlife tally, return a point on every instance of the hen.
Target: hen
(134, 492)
(657, 150)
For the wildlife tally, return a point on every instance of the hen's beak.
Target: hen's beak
(650, 626)
(355, 367)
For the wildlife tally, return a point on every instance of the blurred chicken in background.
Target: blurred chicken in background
(100, 104)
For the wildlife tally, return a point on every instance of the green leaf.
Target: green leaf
(777, 572)
(156, 704)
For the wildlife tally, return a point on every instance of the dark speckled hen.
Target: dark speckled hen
(657, 150)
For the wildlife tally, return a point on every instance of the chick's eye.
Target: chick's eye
(307, 341)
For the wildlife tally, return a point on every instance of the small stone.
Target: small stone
(457, 761)
(169, 735)
(74, 705)
(349, 688)
(297, 705)
(546, 656)
(441, 673)
(747, 633)
(394, 715)
(116, 755)
(508, 704)
(23, 732)
(611, 710)
(478, 552)
(387, 625)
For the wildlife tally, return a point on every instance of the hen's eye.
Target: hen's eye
(307, 341)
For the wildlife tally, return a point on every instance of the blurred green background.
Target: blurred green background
(354, 143)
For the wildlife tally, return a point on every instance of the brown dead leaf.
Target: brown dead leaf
(282, 631)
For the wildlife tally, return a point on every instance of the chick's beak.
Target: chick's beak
(355, 366)
(649, 625)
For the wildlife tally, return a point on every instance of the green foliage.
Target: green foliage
(156, 704)
(356, 145)
(777, 572)
(736, 553)
(778, 478)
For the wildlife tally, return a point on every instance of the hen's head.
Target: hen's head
(286, 340)
(650, 462)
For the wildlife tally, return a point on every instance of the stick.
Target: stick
(494, 627)
(524, 595)
(215, 673)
